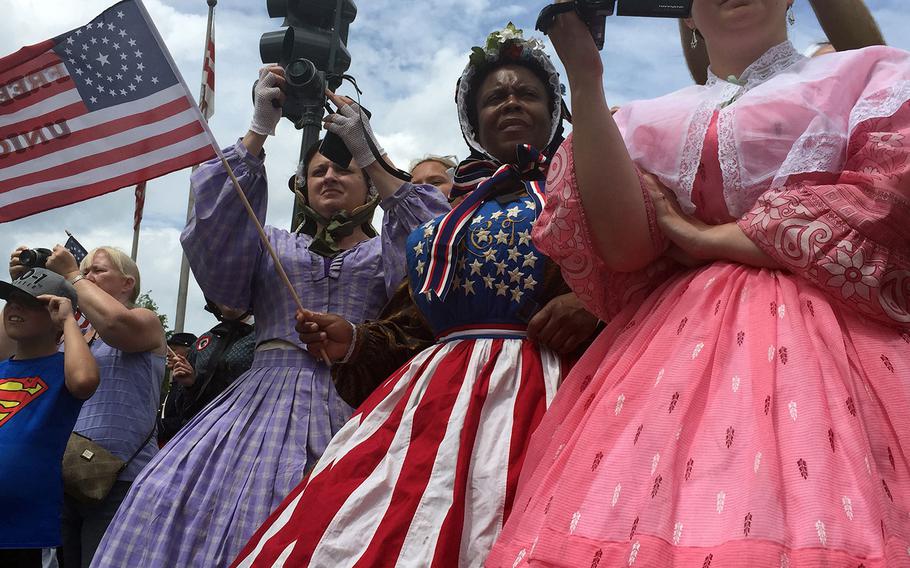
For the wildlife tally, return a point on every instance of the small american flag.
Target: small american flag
(79, 253)
(75, 247)
(84, 325)
(93, 110)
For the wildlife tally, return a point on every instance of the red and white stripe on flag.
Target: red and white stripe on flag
(84, 324)
(91, 111)
(207, 104)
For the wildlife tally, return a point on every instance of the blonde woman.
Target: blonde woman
(129, 345)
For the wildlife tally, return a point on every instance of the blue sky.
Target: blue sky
(407, 55)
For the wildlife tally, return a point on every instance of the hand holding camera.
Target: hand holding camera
(575, 46)
(268, 96)
(62, 261)
(352, 124)
(594, 12)
(16, 267)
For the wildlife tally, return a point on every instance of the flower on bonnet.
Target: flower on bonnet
(508, 41)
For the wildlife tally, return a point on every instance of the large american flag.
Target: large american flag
(93, 110)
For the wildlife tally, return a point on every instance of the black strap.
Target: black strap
(549, 13)
(395, 172)
(139, 449)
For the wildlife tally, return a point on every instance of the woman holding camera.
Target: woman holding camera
(424, 473)
(748, 407)
(218, 478)
(128, 343)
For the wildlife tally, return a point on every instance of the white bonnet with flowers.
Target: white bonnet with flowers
(504, 46)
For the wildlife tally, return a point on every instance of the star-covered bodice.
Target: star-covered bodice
(498, 272)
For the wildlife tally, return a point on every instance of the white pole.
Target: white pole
(180, 316)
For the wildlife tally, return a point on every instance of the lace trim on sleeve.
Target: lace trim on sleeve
(881, 104)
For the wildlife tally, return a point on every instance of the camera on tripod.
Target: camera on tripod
(594, 12)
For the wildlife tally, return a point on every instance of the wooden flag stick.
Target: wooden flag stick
(265, 241)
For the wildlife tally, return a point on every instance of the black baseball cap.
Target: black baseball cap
(183, 339)
(35, 282)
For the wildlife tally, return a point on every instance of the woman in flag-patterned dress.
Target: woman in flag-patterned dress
(424, 473)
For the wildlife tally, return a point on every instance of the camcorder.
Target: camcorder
(594, 13)
(35, 258)
(305, 98)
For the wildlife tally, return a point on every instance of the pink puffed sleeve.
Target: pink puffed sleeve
(563, 233)
(851, 236)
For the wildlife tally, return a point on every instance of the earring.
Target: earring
(791, 17)
(694, 43)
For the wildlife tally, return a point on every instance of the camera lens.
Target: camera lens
(34, 258)
(28, 258)
(300, 72)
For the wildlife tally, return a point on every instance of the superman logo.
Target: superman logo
(16, 394)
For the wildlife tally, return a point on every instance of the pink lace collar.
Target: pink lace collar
(785, 115)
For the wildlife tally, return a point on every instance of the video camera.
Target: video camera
(594, 12)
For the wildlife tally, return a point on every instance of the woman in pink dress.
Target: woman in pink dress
(748, 403)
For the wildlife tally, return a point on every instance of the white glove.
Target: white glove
(351, 125)
(265, 115)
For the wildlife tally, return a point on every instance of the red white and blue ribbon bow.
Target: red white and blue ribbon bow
(479, 180)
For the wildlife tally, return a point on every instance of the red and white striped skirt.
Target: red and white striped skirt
(424, 473)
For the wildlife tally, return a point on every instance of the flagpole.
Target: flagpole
(137, 218)
(180, 316)
(134, 252)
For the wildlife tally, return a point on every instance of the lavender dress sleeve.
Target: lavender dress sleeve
(219, 221)
(410, 206)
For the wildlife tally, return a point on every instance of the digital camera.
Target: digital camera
(35, 258)
(594, 12)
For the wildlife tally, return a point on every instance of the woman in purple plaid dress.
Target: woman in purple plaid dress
(216, 481)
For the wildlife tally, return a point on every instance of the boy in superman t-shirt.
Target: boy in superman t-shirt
(41, 392)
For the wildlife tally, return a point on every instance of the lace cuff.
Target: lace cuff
(848, 237)
(347, 356)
